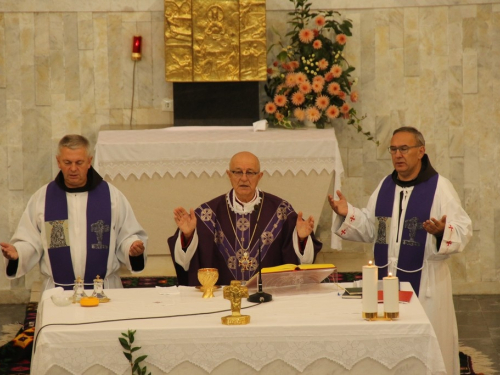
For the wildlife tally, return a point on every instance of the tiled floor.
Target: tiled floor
(478, 320)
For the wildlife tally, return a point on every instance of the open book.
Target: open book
(292, 275)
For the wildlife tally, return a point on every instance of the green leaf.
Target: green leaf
(140, 359)
(135, 349)
(128, 356)
(124, 343)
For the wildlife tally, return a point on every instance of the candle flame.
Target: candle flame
(370, 263)
(390, 274)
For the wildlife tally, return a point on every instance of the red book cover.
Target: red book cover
(404, 296)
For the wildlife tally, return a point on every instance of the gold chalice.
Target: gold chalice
(207, 278)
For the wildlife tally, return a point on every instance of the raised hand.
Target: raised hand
(136, 249)
(185, 221)
(434, 226)
(304, 227)
(9, 251)
(340, 206)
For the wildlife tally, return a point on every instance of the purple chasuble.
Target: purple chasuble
(414, 236)
(239, 243)
(98, 234)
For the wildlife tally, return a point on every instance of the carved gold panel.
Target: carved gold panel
(215, 40)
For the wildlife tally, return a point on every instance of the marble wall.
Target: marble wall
(65, 67)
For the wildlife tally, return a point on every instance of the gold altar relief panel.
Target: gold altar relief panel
(178, 41)
(215, 40)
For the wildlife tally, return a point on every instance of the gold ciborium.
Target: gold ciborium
(207, 278)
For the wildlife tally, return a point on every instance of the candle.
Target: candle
(391, 295)
(136, 48)
(370, 291)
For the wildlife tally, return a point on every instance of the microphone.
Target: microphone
(260, 296)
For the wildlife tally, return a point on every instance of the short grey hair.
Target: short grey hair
(73, 142)
(416, 133)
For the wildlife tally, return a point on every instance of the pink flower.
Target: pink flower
(322, 102)
(341, 39)
(313, 114)
(342, 95)
(317, 86)
(345, 108)
(305, 87)
(319, 79)
(317, 44)
(329, 77)
(280, 100)
(275, 64)
(286, 66)
(320, 21)
(300, 77)
(322, 64)
(270, 107)
(306, 36)
(269, 71)
(298, 98)
(333, 88)
(290, 80)
(332, 112)
(279, 116)
(336, 70)
(299, 114)
(354, 96)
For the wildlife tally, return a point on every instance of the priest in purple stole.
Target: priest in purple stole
(227, 232)
(415, 220)
(76, 226)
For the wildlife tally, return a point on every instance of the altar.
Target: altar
(160, 169)
(316, 332)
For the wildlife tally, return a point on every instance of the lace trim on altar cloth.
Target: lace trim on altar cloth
(198, 167)
(297, 353)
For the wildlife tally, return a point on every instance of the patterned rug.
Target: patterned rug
(15, 355)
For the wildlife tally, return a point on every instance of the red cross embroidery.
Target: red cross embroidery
(342, 232)
(450, 227)
(352, 218)
(448, 243)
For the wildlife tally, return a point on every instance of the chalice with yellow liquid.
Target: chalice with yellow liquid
(207, 278)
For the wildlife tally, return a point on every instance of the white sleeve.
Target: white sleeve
(308, 256)
(127, 227)
(359, 224)
(183, 258)
(28, 236)
(458, 229)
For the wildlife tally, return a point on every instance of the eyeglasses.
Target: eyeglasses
(249, 174)
(403, 149)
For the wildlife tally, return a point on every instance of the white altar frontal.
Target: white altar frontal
(160, 169)
(181, 333)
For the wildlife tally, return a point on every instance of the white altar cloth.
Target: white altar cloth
(198, 149)
(298, 330)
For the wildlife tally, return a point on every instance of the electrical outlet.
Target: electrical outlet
(167, 105)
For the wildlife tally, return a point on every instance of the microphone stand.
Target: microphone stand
(260, 296)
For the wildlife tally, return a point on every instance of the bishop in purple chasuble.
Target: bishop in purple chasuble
(230, 242)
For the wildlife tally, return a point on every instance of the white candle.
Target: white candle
(370, 290)
(391, 294)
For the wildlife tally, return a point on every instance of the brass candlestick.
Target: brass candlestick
(235, 292)
(207, 278)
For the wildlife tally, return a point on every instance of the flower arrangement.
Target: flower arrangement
(310, 79)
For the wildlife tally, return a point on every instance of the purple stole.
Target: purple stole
(98, 234)
(243, 263)
(414, 236)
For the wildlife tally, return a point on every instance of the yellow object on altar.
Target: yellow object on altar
(296, 267)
